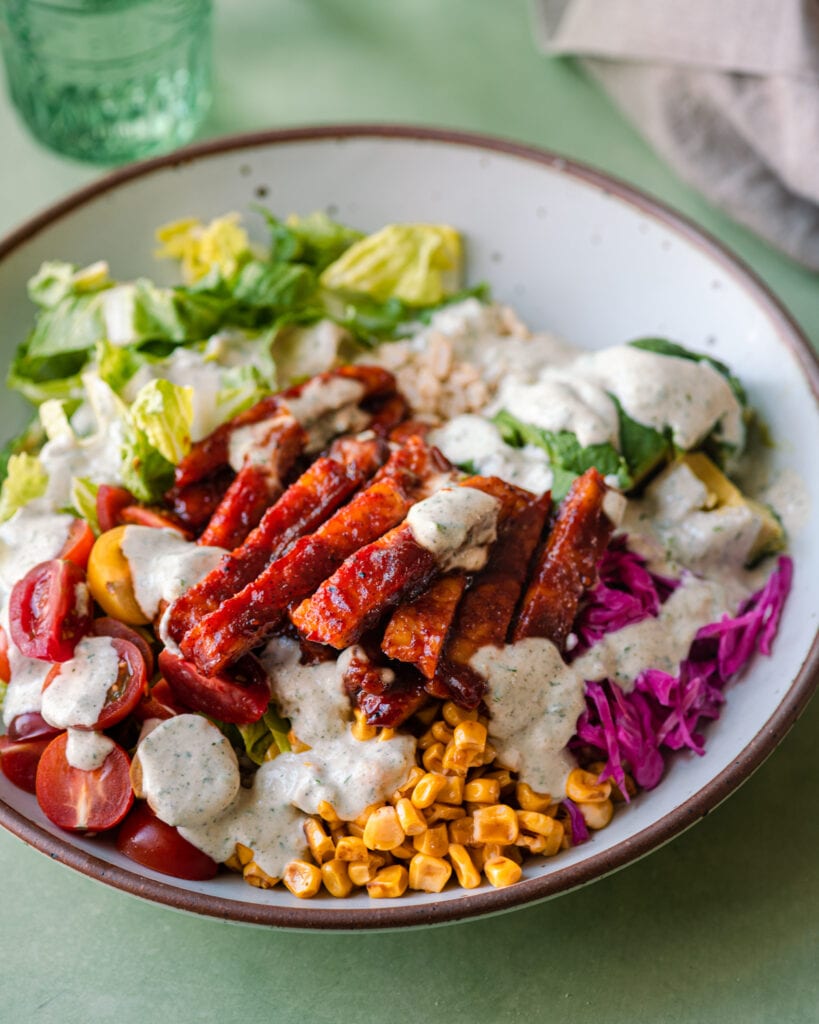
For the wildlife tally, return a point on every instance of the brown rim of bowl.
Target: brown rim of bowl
(406, 914)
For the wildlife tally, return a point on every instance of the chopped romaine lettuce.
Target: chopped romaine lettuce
(222, 245)
(417, 263)
(25, 480)
(164, 412)
(259, 737)
(84, 501)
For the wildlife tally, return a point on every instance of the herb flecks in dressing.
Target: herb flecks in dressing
(456, 524)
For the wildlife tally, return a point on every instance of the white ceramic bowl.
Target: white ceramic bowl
(575, 252)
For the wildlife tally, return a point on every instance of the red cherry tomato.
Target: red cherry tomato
(78, 544)
(151, 842)
(31, 726)
(50, 610)
(5, 667)
(19, 760)
(125, 692)
(83, 801)
(142, 516)
(160, 702)
(106, 626)
(241, 697)
(110, 503)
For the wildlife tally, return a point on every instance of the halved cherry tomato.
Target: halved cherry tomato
(106, 626)
(50, 610)
(83, 801)
(142, 516)
(31, 726)
(125, 692)
(151, 842)
(78, 544)
(5, 667)
(19, 759)
(110, 503)
(240, 697)
(160, 702)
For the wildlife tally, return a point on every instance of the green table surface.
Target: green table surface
(720, 925)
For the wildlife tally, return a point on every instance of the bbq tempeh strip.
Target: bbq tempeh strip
(387, 696)
(417, 630)
(402, 563)
(487, 608)
(212, 453)
(303, 507)
(196, 503)
(251, 616)
(257, 484)
(567, 565)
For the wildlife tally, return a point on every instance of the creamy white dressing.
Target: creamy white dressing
(188, 769)
(253, 444)
(563, 400)
(534, 701)
(164, 565)
(77, 694)
(456, 524)
(476, 442)
(87, 749)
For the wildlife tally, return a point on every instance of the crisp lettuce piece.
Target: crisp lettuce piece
(55, 280)
(272, 286)
(116, 365)
(145, 472)
(25, 480)
(164, 412)
(84, 501)
(259, 737)
(316, 240)
(416, 263)
(222, 245)
(4, 685)
(29, 440)
(54, 419)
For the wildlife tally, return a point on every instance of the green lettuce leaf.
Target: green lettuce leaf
(260, 736)
(316, 240)
(664, 347)
(84, 501)
(25, 480)
(164, 412)
(29, 440)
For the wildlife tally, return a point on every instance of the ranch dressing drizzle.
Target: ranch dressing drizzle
(253, 444)
(87, 749)
(77, 694)
(164, 565)
(347, 773)
(456, 524)
(534, 701)
(328, 407)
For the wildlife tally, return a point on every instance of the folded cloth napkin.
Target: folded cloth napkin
(726, 90)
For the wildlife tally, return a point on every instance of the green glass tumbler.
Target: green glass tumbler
(109, 81)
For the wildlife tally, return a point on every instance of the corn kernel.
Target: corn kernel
(427, 714)
(460, 831)
(501, 871)
(504, 777)
(433, 757)
(361, 872)
(434, 842)
(444, 812)
(354, 830)
(254, 875)
(529, 800)
(321, 845)
(361, 728)
(482, 791)
(554, 842)
(383, 829)
(583, 787)
(244, 853)
(412, 822)
(364, 817)
(407, 787)
(403, 852)
(427, 789)
(302, 879)
(470, 736)
(489, 755)
(336, 878)
(296, 744)
(496, 823)
(453, 790)
(532, 843)
(426, 740)
(233, 863)
(534, 821)
(385, 733)
(458, 760)
(351, 848)
(465, 871)
(328, 812)
(442, 732)
(597, 815)
(389, 883)
(429, 874)
(453, 715)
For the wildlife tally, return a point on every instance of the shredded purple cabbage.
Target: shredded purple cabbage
(580, 830)
(665, 711)
(626, 593)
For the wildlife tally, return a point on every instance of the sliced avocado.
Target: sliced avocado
(722, 492)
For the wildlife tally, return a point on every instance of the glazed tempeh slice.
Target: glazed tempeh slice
(251, 616)
(417, 630)
(196, 503)
(449, 530)
(386, 695)
(309, 403)
(567, 565)
(486, 610)
(303, 507)
(257, 485)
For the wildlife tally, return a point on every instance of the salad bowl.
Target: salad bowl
(574, 252)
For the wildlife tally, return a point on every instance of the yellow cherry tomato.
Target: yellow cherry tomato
(109, 579)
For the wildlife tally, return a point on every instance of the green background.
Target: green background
(720, 925)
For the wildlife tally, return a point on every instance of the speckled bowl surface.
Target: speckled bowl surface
(576, 253)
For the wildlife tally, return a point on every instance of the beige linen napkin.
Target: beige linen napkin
(726, 90)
